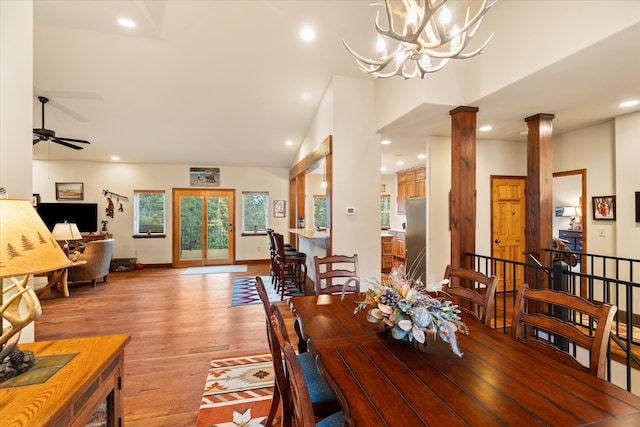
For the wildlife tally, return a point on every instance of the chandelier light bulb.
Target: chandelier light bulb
(381, 46)
(412, 21)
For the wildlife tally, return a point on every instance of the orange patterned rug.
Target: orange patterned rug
(238, 392)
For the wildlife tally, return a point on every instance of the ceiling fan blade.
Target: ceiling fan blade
(82, 141)
(36, 139)
(66, 144)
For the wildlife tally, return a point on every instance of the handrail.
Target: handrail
(598, 278)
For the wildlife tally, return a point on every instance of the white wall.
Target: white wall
(627, 179)
(16, 110)
(123, 178)
(593, 149)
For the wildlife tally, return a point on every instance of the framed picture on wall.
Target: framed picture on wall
(69, 191)
(279, 208)
(604, 207)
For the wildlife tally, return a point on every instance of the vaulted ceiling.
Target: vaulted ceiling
(222, 82)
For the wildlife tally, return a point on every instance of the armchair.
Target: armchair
(98, 255)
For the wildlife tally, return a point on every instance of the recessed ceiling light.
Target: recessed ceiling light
(126, 22)
(385, 142)
(484, 128)
(382, 169)
(306, 96)
(422, 156)
(307, 34)
(630, 103)
(289, 143)
(400, 163)
(115, 158)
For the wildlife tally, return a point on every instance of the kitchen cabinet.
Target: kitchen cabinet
(399, 245)
(411, 183)
(387, 252)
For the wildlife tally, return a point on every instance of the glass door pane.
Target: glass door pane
(190, 228)
(217, 227)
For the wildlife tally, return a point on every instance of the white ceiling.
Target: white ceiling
(220, 82)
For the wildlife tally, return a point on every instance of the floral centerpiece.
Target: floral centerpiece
(410, 310)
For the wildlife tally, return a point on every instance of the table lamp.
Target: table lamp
(26, 247)
(65, 231)
(572, 212)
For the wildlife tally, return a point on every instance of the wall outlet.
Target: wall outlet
(601, 232)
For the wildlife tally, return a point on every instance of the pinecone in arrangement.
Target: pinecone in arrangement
(16, 357)
(390, 298)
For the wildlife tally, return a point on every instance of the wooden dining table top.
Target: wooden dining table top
(380, 381)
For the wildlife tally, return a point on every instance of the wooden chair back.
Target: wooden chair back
(301, 406)
(281, 389)
(337, 274)
(473, 291)
(543, 317)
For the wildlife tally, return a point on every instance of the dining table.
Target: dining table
(498, 381)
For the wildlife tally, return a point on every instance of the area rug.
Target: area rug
(244, 291)
(213, 269)
(237, 392)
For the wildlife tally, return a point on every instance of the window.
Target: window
(255, 212)
(385, 210)
(319, 212)
(148, 216)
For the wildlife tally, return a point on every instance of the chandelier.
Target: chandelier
(427, 41)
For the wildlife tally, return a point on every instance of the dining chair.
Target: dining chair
(281, 388)
(564, 326)
(337, 274)
(473, 291)
(300, 387)
(322, 397)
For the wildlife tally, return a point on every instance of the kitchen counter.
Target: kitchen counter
(310, 233)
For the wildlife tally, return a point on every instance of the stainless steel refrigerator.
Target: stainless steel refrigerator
(416, 213)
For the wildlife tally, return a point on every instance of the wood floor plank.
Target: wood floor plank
(177, 324)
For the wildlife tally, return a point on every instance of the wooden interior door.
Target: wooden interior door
(203, 231)
(508, 217)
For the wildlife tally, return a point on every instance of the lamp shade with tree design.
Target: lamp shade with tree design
(26, 247)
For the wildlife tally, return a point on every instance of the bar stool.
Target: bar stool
(291, 267)
(288, 249)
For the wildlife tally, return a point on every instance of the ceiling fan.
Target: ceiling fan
(44, 134)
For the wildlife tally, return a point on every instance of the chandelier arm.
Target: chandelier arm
(427, 70)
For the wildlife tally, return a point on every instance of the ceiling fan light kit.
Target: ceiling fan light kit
(44, 134)
(421, 46)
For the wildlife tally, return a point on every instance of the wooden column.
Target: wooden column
(463, 185)
(539, 189)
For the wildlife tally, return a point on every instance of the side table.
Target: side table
(71, 379)
(59, 277)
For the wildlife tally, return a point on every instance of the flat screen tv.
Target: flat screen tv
(84, 215)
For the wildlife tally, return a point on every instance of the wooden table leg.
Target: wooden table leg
(64, 283)
(58, 277)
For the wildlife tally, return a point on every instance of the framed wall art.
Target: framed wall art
(279, 208)
(604, 207)
(204, 177)
(69, 191)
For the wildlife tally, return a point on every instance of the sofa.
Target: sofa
(97, 254)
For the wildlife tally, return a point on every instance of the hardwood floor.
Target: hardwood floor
(177, 324)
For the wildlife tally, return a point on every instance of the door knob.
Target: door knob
(497, 241)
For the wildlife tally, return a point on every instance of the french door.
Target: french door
(203, 231)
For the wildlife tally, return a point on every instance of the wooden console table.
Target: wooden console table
(70, 396)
